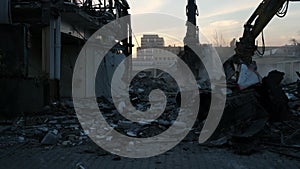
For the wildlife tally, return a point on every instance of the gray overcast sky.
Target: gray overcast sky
(225, 17)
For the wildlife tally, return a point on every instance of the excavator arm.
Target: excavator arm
(245, 47)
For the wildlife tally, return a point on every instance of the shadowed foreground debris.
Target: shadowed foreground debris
(246, 138)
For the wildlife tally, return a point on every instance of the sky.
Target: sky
(219, 20)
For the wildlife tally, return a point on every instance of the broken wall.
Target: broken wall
(289, 68)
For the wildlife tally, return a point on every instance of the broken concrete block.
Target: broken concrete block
(21, 139)
(131, 133)
(51, 138)
(248, 76)
(65, 143)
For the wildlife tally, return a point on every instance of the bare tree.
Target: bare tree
(219, 39)
(296, 46)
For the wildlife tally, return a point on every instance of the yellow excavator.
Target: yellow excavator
(271, 96)
(243, 98)
(245, 47)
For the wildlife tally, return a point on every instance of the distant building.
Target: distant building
(152, 41)
(153, 53)
(287, 50)
(282, 58)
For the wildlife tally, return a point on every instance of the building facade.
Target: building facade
(39, 45)
(153, 53)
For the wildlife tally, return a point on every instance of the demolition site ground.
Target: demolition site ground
(247, 137)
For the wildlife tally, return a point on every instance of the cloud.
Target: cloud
(224, 23)
(228, 29)
(146, 6)
(209, 9)
(224, 17)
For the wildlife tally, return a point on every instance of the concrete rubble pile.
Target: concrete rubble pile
(56, 125)
(139, 95)
(264, 117)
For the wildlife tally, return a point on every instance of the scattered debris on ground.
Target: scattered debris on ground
(254, 120)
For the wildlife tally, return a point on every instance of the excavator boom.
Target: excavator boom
(245, 47)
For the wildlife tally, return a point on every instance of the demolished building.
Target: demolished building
(39, 45)
(244, 117)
